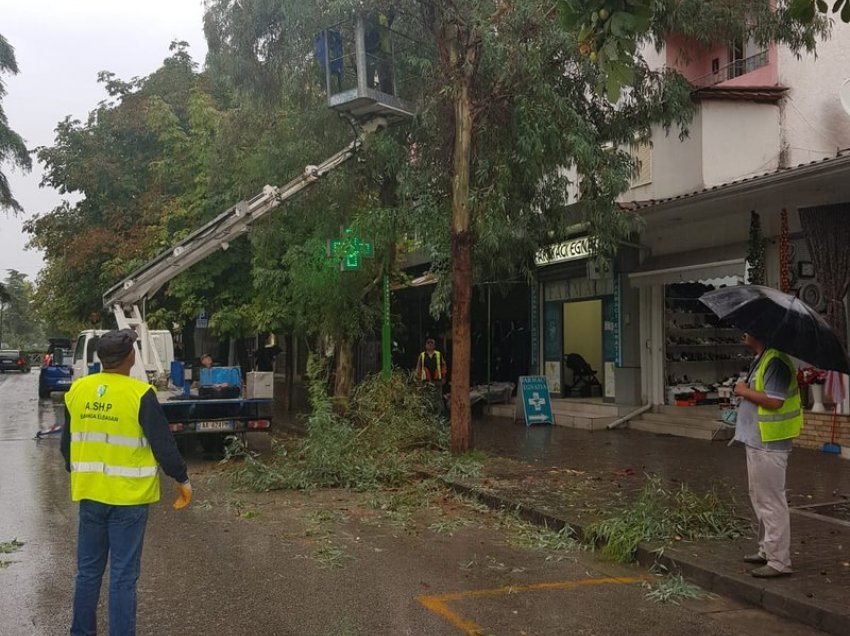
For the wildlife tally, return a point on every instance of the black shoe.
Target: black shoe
(756, 559)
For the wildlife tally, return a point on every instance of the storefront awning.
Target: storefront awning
(721, 262)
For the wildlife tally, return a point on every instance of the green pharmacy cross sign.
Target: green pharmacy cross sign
(350, 250)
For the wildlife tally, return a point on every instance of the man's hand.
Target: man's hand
(741, 388)
(185, 496)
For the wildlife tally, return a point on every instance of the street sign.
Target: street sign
(534, 397)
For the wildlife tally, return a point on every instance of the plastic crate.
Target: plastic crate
(221, 377)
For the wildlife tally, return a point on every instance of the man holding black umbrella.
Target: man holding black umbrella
(770, 416)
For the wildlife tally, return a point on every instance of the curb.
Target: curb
(807, 611)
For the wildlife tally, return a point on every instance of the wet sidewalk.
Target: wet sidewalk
(562, 475)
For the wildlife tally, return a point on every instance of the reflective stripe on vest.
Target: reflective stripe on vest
(106, 438)
(111, 460)
(119, 471)
(786, 422)
(438, 374)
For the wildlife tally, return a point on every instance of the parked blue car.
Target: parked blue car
(56, 372)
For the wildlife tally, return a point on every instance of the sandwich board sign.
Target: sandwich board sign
(536, 403)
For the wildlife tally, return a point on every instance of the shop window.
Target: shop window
(704, 355)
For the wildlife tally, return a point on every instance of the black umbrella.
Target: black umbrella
(780, 321)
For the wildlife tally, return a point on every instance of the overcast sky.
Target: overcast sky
(60, 46)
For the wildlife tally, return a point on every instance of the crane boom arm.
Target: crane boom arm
(215, 235)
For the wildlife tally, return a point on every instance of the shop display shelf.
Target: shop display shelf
(707, 346)
(706, 329)
(742, 361)
(689, 313)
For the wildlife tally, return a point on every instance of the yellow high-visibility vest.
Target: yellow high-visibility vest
(111, 460)
(438, 374)
(786, 422)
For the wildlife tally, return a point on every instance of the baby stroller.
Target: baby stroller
(585, 383)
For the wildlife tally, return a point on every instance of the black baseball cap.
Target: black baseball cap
(114, 346)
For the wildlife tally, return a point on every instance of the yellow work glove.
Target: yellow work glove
(185, 496)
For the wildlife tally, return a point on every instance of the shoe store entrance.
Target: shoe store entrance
(703, 356)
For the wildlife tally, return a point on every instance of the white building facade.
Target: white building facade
(770, 135)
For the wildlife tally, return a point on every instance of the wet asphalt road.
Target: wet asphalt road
(247, 563)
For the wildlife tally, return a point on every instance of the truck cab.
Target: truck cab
(86, 360)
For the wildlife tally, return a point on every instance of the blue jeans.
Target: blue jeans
(116, 532)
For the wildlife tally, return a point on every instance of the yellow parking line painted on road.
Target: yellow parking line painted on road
(437, 603)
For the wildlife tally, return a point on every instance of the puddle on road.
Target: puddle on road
(22, 413)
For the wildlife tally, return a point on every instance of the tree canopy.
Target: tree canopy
(12, 147)
(20, 327)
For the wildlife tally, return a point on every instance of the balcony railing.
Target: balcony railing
(734, 69)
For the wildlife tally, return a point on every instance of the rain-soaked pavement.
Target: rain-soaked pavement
(326, 563)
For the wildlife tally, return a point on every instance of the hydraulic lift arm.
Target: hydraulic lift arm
(124, 299)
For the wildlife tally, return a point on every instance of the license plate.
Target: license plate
(203, 427)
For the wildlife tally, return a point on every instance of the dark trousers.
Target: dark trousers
(434, 394)
(115, 533)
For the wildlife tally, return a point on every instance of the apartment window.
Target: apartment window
(641, 152)
(745, 57)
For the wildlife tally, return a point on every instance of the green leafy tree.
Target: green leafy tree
(20, 327)
(139, 161)
(12, 147)
(285, 124)
(506, 107)
(192, 145)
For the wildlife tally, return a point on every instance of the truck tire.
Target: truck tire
(43, 393)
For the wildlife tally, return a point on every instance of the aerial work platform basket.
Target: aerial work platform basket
(362, 64)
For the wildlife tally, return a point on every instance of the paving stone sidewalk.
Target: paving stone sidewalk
(561, 475)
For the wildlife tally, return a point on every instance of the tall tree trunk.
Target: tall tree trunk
(343, 375)
(462, 245)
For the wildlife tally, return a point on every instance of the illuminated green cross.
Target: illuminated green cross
(349, 250)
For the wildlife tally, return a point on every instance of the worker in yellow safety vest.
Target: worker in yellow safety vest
(431, 371)
(431, 366)
(115, 439)
(770, 416)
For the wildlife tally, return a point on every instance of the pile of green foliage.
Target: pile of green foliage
(663, 514)
(385, 436)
